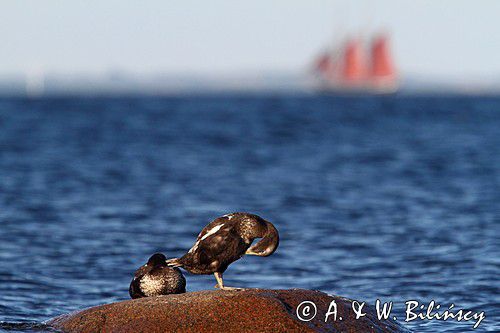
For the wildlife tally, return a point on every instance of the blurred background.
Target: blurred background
(366, 131)
(102, 47)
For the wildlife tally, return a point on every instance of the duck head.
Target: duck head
(157, 259)
(267, 245)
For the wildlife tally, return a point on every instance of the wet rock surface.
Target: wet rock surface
(252, 310)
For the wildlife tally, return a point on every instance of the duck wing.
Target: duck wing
(192, 254)
(135, 288)
(217, 245)
(219, 249)
(217, 227)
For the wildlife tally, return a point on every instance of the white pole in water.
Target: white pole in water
(35, 83)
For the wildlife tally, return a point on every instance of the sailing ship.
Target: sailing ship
(353, 67)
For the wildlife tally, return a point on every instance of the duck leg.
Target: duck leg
(220, 283)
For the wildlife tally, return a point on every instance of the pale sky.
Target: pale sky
(435, 37)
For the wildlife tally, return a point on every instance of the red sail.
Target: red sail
(350, 67)
(382, 67)
(354, 69)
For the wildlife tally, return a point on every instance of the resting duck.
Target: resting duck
(225, 240)
(156, 278)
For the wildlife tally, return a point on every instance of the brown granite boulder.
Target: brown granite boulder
(251, 310)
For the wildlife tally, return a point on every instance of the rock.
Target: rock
(251, 310)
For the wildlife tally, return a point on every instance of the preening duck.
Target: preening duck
(225, 240)
(155, 278)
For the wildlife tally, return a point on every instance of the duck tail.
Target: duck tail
(174, 262)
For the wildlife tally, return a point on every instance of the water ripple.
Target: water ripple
(374, 197)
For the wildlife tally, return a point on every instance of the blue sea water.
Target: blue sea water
(378, 197)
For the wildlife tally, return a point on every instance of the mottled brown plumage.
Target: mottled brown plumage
(225, 240)
(155, 278)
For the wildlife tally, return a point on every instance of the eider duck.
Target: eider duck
(225, 240)
(156, 278)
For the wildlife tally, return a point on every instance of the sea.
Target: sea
(391, 198)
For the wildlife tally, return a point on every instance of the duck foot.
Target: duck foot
(220, 283)
(227, 288)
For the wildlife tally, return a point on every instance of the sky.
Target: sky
(445, 38)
